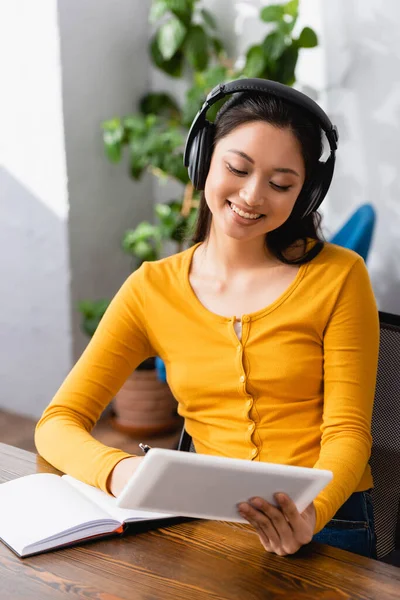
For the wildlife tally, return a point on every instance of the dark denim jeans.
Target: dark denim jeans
(352, 527)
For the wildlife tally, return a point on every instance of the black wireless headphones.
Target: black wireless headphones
(200, 139)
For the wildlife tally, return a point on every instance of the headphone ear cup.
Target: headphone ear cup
(200, 155)
(315, 191)
(310, 197)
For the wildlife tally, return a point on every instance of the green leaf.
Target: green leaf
(196, 46)
(286, 27)
(208, 18)
(89, 326)
(173, 165)
(217, 45)
(145, 251)
(193, 101)
(143, 231)
(170, 37)
(92, 312)
(113, 134)
(158, 9)
(91, 308)
(162, 211)
(159, 103)
(183, 9)
(136, 168)
(273, 45)
(272, 13)
(172, 67)
(308, 38)
(286, 65)
(212, 112)
(255, 62)
(172, 222)
(291, 8)
(211, 77)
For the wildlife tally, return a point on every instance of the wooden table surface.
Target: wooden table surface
(190, 560)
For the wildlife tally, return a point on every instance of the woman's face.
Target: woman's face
(256, 174)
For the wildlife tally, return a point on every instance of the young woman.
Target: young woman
(269, 335)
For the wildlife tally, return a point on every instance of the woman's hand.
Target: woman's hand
(122, 472)
(281, 530)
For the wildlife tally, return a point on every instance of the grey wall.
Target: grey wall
(104, 72)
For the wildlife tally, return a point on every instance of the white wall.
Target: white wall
(35, 333)
(363, 97)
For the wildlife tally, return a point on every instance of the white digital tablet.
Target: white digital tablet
(210, 487)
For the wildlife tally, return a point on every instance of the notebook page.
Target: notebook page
(108, 503)
(40, 506)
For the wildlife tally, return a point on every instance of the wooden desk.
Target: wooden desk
(195, 560)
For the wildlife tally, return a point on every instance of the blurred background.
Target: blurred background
(96, 97)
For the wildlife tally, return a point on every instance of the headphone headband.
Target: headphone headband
(200, 139)
(263, 86)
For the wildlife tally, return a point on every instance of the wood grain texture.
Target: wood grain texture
(192, 559)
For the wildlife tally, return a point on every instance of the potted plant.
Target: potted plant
(185, 44)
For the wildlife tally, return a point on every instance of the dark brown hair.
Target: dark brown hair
(245, 108)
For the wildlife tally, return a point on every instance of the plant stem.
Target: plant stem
(187, 200)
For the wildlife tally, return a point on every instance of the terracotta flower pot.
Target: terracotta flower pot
(145, 406)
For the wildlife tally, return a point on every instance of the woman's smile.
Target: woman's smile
(243, 216)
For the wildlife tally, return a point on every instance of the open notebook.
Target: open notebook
(45, 511)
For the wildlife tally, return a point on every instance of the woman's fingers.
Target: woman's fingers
(281, 530)
(302, 530)
(268, 526)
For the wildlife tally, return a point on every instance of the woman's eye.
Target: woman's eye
(280, 188)
(235, 171)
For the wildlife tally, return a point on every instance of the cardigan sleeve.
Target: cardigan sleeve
(119, 345)
(351, 346)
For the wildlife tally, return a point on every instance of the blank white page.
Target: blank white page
(108, 503)
(40, 506)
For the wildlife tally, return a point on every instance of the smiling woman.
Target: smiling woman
(269, 335)
(265, 152)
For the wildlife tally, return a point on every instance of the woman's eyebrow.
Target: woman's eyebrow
(243, 155)
(277, 170)
(286, 170)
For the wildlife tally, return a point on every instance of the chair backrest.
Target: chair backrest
(385, 457)
(185, 442)
(357, 232)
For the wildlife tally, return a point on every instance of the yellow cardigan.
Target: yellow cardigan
(297, 389)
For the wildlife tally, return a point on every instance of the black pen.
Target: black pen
(145, 448)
